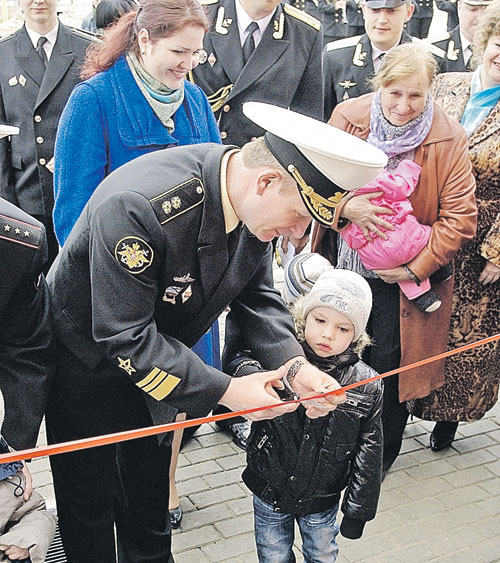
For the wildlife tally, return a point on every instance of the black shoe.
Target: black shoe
(240, 432)
(443, 435)
(176, 517)
(428, 302)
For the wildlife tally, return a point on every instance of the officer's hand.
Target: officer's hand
(28, 489)
(256, 390)
(360, 210)
(311, 381)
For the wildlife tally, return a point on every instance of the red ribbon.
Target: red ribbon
(107, 439)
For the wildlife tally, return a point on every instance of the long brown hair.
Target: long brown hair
(161, 18)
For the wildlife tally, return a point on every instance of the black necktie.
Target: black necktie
(249, 44)
(41, 51)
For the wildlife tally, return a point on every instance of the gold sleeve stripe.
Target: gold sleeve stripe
(158, 383)
(165, 388)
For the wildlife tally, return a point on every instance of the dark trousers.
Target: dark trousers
(419, 27)
(383, 356)
(124, 485)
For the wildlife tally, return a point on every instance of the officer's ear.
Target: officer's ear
(410, 8)
(267, 178)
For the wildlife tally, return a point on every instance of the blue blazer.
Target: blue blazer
(108, 122)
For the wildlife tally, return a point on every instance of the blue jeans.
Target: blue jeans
(274, 535)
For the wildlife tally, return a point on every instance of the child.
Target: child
(405, 242)
(297, 467)
(26, 527)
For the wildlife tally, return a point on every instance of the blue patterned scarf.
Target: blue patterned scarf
(480, 103)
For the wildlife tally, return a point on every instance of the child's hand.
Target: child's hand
(28, 489)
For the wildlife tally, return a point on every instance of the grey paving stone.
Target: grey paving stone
(196, 470)
(183, 541)
(410, 445)
(424, 489)
(469, 476)
(494, 450)
(213, 439)
(464, 495)
(472, 459)
(214, 496)
(489, 550)
(206, 516)
(230, 548)
(383, 522)
(419, 509)
(431, 469)
(359, 550)
(420, 552)
(396, 479)
(190, 486)
(392, 499)
(478, 427)
(205, 454)
(235, 526)
(492, 506)
(492, 487)
(242, 505)
(224, 477)
(474, 442)
(488, 526)
(232, 461)
(191, 556)
(462, 556)
(494, 467)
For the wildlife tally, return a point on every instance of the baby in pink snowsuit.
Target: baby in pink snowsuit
(405, 241)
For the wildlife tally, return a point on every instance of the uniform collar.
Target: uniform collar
(51, 37)
(231, 220)
(244, 20)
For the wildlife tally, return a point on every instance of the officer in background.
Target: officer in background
(309, 6)
(333, 20)
(451, 8)
(349, 63)
(40, 66)
(278, 62)
(420, 22)
(27, 359)
(259, 50)
(458, 44)
(355, 18)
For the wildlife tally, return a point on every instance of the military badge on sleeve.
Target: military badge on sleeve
(134, 254)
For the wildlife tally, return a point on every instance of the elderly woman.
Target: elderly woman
(472, 379)
(402, 119)
(135, 100)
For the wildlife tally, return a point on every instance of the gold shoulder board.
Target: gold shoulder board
(302, 16)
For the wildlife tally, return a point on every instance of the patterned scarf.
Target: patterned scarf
(397, 141)
(163, 100)
(480, 103)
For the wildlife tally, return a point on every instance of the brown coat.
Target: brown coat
(444, 199)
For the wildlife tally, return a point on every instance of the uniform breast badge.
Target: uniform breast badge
(22, 80)
(211, 59)
(134, 254)
(347, 84)
(13, 81)
(171, 292)
(126, 365)
(187, 290)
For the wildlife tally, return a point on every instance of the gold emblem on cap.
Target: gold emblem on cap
(320, 205)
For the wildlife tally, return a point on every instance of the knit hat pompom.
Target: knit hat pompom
(301, 273)
(344, 291)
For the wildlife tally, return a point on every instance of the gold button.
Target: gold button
(42, 161)
(226, 108)
(38, 118)
(39, 140)
(223, 135)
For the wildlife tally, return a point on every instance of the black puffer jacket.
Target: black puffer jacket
(301, 465)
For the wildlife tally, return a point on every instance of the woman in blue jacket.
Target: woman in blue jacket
(134, 100)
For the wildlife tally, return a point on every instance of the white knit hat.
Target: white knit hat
(301, 273)
(345, 292)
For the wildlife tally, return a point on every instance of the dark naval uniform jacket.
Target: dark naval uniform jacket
(309, 6)
(32, 98)
(451, 8)
(333, 20)
(26, 345)
(285, 68)
(347, 66)
(453, 55)
(148, 268)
